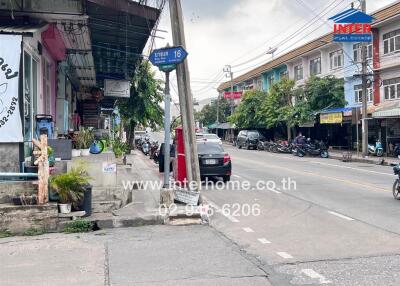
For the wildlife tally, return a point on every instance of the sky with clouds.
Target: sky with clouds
(239, 32)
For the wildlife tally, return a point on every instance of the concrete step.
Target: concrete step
(106, 206)
(10, 189)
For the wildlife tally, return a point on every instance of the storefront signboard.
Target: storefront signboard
(331, 118)
(10, 118)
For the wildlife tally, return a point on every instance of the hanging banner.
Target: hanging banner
(10, 118)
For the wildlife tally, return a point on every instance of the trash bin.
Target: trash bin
(86, 203)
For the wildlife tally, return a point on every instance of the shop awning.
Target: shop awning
(119, 32)
(336, 110)
(388, 109)
(225, 126)
(22, 29)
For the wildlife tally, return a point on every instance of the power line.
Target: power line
(296, 33)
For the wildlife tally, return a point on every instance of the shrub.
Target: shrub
(78, 225)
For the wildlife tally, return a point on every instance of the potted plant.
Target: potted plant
(119, 148)
(70, 187)
(84, 139)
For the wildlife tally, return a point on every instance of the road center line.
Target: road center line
(263, 241)
(247, 229)
(284, 255)
(340, 215)
(314, 275)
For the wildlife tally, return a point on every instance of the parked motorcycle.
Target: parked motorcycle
(146, 146)
(284, 147)
(396, 184)
(376, 149)
(314, 149)
(262, 145)
(396, 150)
(153, 149)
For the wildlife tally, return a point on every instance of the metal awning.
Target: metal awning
(22, 29)
(335, 110)
(119, 32)
(389, 109)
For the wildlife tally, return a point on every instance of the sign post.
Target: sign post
(166, 60)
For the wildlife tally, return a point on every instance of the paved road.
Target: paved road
(338, 224)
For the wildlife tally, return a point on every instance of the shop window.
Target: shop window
(283, 74)
(315, 66)
(298, 72)
(336, 59)
(30, 88)
(391, 42)
(392, 88)
(357, 55)
(271, 80)
(47, 87)
(358, 94)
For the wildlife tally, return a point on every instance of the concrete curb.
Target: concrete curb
(359, 160)
(125, 221)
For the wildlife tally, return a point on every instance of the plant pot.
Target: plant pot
(64, 208)
(76, 153)
(85, 152)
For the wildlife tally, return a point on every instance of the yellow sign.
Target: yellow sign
(331, 118)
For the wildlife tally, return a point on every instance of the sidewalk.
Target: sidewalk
(151, 255)
(338, 154)
(144, 208)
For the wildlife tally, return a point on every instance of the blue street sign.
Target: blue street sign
(168, 56)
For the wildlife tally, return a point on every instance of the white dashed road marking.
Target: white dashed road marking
(314, 275)
(340, 215)
(263, 240)
(218, 209)
(248, 229)
(274, 191)
(284, 255)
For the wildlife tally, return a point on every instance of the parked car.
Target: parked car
(209, 137)
(214, 161)
(248, 139)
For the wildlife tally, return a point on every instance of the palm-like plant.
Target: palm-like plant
(70, 186)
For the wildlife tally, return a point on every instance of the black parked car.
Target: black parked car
(248, 139)
(214, 161)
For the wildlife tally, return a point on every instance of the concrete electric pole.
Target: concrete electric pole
(364, 90)
(185, 97)
(228, 70)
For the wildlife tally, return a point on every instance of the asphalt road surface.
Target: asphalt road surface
(327, 222)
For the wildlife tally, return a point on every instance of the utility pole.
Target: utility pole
(228, 69)
(217, 114)
(167, 131)
(185, 98)
(364, 90)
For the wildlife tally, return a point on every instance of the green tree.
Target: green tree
(325, 92)
(208, 114)
(249, 114)
(278, 107)
(143, 106)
